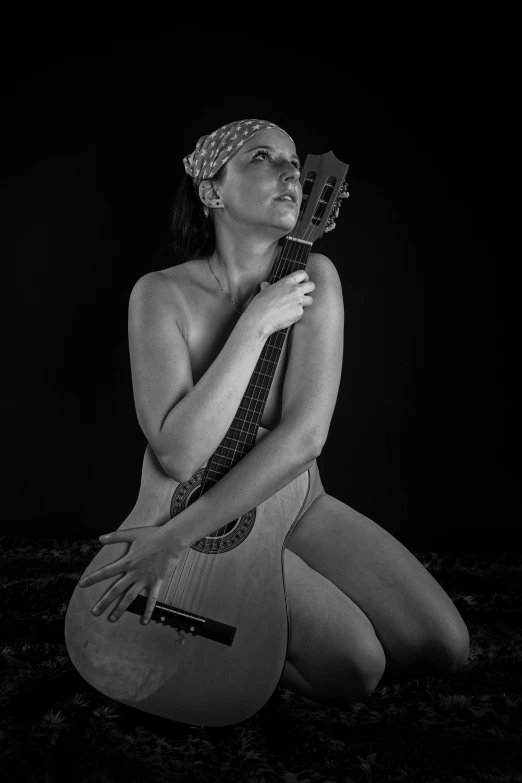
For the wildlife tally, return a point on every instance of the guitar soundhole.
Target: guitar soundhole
(225, 538)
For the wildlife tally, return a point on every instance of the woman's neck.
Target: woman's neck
(241, 265)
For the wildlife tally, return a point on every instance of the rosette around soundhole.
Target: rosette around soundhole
(225, 538)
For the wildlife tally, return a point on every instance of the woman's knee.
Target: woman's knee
(354, 676)
(368, 666)
(440, 650)
(453, 651)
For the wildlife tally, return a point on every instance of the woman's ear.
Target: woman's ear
(208, 195)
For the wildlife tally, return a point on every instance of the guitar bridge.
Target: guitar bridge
(186, 622)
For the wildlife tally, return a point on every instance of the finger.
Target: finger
(126, 601)
(119, 567)
(118, 536)
(116, 589)
(151, 601)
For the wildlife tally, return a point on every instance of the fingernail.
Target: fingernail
(82, 583)
(112, 618)
(96, 611)
(144, 622)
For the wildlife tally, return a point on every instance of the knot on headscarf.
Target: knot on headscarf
(214, 150)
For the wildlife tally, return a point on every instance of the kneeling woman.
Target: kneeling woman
(359, 602)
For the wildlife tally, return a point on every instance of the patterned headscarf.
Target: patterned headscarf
(214, 150)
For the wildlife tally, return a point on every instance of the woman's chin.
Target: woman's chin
(285, 223)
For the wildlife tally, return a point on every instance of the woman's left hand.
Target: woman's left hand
(152, 557)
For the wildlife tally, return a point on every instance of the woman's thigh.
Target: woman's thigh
(414, 619)
(331, 642)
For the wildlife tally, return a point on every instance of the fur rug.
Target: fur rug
(441, 729)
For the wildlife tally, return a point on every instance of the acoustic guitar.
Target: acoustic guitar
(215, 647)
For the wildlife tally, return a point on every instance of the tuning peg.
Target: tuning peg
(344, 194)
(329, 228)
(336, 212)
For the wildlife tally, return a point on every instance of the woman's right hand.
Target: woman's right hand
(281, 304)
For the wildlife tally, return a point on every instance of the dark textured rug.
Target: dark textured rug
(442, 729)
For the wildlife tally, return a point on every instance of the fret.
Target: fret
(267, 370)
(250, 414)
(264, 374)
(257, 386)
(236, 432)
(228, 448)
(251, 428)
(281, 334)
(257, 407)
(249, 397)
(235, 441)
(268, 361)
(230, 457)
(211, 470)
(219, 455)
(231, 460)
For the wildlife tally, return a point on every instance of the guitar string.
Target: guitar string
(203, 558)
(204, 573)
(285, 261)
(283, 266)
(191, 553)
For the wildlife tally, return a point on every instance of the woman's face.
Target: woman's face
(255, 177)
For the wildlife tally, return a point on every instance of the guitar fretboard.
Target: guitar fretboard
(242, 433)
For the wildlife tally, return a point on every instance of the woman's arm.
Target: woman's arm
(276, 460)
(183, 423)
(309, 395)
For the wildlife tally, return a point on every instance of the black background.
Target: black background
(95, 137)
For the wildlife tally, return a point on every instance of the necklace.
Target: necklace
(223, 290)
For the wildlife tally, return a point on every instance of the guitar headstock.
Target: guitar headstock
(324, 187)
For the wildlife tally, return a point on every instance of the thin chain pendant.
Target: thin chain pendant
(223, 290)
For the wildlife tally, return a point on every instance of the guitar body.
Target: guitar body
(227, 594)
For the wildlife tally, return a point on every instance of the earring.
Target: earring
(206, 211)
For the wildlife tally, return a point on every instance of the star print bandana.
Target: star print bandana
(214, 150)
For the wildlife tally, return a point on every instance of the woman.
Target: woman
(358, 600)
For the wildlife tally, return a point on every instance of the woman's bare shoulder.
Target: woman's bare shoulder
(163, 288)
(321, 265)
(161, 283)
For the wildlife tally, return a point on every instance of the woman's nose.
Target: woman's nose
(291, 173)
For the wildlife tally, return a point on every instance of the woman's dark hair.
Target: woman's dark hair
(191, 233)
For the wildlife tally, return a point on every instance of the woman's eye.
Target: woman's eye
(261, 152)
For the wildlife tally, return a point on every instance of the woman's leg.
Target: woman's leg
(333, 653)
(415, 621)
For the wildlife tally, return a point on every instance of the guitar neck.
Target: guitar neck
(323, 187)
(242, 433)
